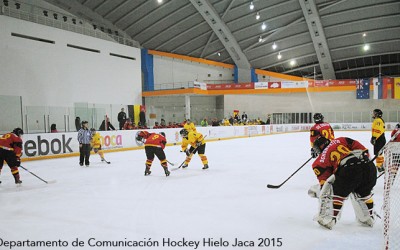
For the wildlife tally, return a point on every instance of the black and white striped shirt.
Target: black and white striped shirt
(84, 136)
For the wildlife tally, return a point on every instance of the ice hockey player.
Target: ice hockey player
(189, 126)
(96, 144)
(320, 128)
(154, 145)
(197, 145)
(343, 168)
(397, 128)
(378, 137)
(11, 151)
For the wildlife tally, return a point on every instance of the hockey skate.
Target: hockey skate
(166, 172)
(147, 171)
(327, 224)
(185, 166)
(205, 166)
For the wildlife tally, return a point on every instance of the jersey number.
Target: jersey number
(335, 155)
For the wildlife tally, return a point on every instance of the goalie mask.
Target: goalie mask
(318, 118)
(184, 132)
(320, 144)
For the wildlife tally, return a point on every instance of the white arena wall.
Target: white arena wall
(53, 145)
(52, 74)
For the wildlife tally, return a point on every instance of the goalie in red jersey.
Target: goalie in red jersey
(343, 168)
(10, 152)
(154, 145)
(320, 128)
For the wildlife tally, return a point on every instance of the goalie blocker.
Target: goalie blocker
(343, 169)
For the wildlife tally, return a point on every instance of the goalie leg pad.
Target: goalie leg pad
(330, 205)
(314, 191)
(363, 208)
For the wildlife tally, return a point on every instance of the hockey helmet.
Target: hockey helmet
(377, 113)
(320, 144)
(318, 118)
(162, 133)
(18, 131)
(184, 132)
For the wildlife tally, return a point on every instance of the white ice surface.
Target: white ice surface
(230, 200)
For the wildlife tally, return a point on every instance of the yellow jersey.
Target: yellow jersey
(378, 127)
(192, 139)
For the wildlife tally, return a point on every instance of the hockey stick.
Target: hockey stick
(278, 186)
(108, 162)
(47, 182)
(191, 154)
(170, 163)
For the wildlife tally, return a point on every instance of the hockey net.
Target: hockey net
(391, 197)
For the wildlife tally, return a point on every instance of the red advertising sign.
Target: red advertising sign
(274, 85)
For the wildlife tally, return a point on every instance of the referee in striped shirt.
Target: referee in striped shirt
(84, 138)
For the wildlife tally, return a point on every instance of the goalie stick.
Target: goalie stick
(47, 182)
(278, 186)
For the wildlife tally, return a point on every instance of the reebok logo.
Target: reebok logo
(44, 147)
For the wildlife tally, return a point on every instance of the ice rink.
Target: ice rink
(228, 202)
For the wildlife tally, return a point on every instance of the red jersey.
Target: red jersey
(11, 142)
(323, 129)
(155, 140)
(328, 161)
(397, 139)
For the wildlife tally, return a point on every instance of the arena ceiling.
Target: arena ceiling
(331, 39)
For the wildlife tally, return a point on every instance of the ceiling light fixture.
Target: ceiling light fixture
(274, 46)
(263, 26)
(251, 6)
(279, 56)
(219, 53)
(260, 39)
(159, 1)
(366, 47)
(257, 16)
(364, 34)
(292, 62)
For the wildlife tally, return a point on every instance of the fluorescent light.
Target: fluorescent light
(257, 16)
(279, 56)
(251, 6)
(274, 46)
(263, 26)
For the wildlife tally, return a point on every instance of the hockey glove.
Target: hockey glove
(380, 169)
(198, 144)
(313, 153)
(373, 140)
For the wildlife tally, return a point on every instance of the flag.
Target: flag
(396, 88)
(380, 89)
(362, 88)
